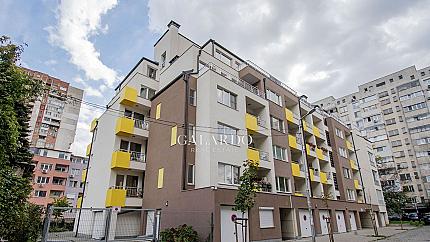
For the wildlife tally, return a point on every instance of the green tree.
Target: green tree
(395, 202)
(19, 221)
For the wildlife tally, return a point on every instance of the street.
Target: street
(419, 234)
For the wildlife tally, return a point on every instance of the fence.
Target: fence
(101, 224)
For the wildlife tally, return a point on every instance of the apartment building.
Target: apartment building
(180, 128)
(54, 114)
(75, 181)
(392, 112)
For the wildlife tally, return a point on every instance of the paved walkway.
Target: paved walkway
(419, 234)
(365, 235)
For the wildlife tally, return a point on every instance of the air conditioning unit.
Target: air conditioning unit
(72, 176)
(44, 171)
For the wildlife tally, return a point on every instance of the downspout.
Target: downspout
(186, 78)
(304, 147)
(359, 169)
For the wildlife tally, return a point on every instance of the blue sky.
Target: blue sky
(319, 48)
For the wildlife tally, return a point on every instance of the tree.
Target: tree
(395, 202)
(19, 220)
(245, 197)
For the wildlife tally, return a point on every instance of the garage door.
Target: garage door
(305, 223)
(340, 219)
(227, 225)
(352, 221)
(324, 214)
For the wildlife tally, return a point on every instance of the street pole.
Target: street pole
(307, 178)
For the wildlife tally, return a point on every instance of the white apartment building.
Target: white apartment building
(392, 112)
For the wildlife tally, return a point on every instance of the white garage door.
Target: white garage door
(227, 225)
(352, 221)
(305, 223)
(340, 219)
(324, 214)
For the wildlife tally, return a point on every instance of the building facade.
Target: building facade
(181, 127)
(392, 112)
(75, 181)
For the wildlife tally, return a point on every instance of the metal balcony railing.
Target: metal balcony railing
(141, 124)
(131, 191)
(264, 155)
(137, 156)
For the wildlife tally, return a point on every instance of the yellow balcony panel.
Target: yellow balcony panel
(120, 159)
(292, 141)
(93, 124)
(323, 177)
(357, 184)
(310, 150)
(87, 153)
(124, 126)
(253, 156)
(289, 115)
(251, 122)
(349, 145)
(115, 197)
(320, 154)
(312, 175)
(298, 194)
(84, 175)
(78, 202)
(353, 165)
(295, 168)
(128, 96)
(305, 126)
(316, 131)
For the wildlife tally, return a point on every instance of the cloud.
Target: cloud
(319, 48)
(77, 22)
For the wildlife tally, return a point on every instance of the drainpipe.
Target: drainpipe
(359, 169)
(186, 78)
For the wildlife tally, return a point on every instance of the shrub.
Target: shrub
(183, 233)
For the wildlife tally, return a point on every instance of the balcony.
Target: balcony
(307, 128)
(311, 150)
(126, 126)
(128, 160)
(128, 96)
(349, 145)
(316, 131)
(251, 122)
(264, 186)
(253, 156)
(291, 117)
(88, 151)
(294, 142)
(84, 175)
(314, 175)
(297, 170)
(357, 184)
(353, 165)
(115, 197)
(93, 124)
(323, 177)
(79, 202)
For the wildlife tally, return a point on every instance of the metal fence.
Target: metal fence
(101, 224)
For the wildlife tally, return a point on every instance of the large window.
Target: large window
(42, 180)
(279, 152)
(146, 92)
(351, 194)
(274, 97)
(227, 134)
(228, 174)
(277, 124)
(283, 184)
(227, 98)
(346, 173)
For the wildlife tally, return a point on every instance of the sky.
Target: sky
(319, 48)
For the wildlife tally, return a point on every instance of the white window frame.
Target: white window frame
(228, 170)
(287, 184)
(229, 132)
(226, 98)
(277, 124)
(278, 150)
(266, 215)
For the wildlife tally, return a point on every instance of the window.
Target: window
(343, 153)
(38, 193)
(73, 183)
(339, 133)
(350, 194)
(401, 77)
(396, 143)
(163, 59)
(385, 101)
(227, 98)
(390, 121)
(380, 84)
(274, 97)
(411, 95)
(228, 174)
(387, 111)
(343, 109)
(409, 188)
(173, 135)
(191, 133)
(412, 77)
(266, 217)
(42, 180)
(375, 177)
(57, 181)
(190, 174)
(393, 132)
(414, 107)
(405, 177)
(227, 134)
(279, 153)
(45, 166)
(277, 124)
(61, 168)
(346, 173)
(152, 73)
(282, 184)
(193, 99)
(146, 92)
(55, 193)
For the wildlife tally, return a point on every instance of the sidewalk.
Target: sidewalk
(363, 235)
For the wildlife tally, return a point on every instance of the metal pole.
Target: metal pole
(107, 224)
(46, 222)
(86, 177)
(307, 178)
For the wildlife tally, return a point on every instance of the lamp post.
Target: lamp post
(307, 178)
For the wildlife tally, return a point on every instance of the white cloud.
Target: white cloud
(320, 48)
(77, 22)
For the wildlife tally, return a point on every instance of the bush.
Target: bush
(183, 233)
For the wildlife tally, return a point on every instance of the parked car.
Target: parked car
(426, 218)
(405, 216)
(394, 217)
(413, 217)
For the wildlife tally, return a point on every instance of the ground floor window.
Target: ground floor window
(266, 217)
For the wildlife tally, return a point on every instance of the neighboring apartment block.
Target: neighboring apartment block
(55, 113)
(393, 113)
(158, 145)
